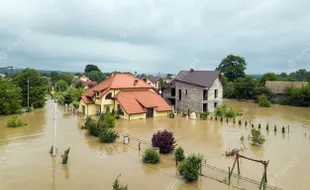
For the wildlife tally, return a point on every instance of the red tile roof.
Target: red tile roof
(87, 100)
(87, 83)
(135, 101)
(118, 81)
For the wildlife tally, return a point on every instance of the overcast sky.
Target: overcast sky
(154, 35)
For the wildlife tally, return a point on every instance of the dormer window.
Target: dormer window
(108, 96)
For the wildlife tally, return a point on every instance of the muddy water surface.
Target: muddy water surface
(26, 164)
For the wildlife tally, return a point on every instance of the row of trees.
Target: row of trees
(241, 86)
(14, 92)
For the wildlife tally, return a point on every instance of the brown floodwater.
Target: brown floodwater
(25, 162)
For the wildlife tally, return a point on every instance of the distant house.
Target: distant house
(129, 96)
(84, 78)
(197, 91)
(150, 79)
(279, 87)
(87, 82)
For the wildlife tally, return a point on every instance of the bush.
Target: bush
(108, 136)
(263, 101)
(14, 121)
(76, 105)
(109, 120)
(223, 110)
(191, 167)
(256, 137)
(204, 115)
(179, 154)
(118, 186)
(93, 127)
(164, 140)
(150, 156)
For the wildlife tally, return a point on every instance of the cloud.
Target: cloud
(154, 35)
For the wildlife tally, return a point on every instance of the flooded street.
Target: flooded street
(25, 162)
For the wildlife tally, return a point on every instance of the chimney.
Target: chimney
(136, 82)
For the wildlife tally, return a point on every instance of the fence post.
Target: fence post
(228, 175)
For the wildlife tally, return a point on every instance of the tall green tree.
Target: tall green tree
(268, 77)
(232, 67)
(10, 97)
(90, 68)
(61, 85)
(96, 76)
(37, 87)
(245, 88)
(68, 77)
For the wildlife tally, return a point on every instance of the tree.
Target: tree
(283, 75)
(229, 90)
(11, 97)
(61, 85)
(67, 98)
(191, 167)
(54, 77)
(68, 77)
(96, 76)
(164, 140)
(232, 67)
(37, 87)
(75, 93)
(268, 77)
(263, 101)
(244, 88)
(90, 68)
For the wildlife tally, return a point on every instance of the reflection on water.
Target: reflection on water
(94, 165)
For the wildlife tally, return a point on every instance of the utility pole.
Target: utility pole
(55, 128)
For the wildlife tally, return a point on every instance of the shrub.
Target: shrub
(256, 137)
(108, 135)
(150, 156)
(164, 140)
(118, 186)
(65, 156)
(204, 115)
(263, 101)
(223, 110)
(76, 105)
(179, 154)
(92, 127)
(109, 120)
(14, 121)
(191, 167)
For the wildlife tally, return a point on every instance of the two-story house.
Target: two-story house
(198, 91)
(131, 97)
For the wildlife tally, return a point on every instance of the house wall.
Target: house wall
(105, 103)
(137, 116)
(192, 100)
(217, 84)
(90, 109)
(160, 114)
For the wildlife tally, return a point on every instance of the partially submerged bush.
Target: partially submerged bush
(256, 137)
(118, 186)
(179, 154)
(191, 167)
(65, 156)
(263, 101)
(150, 156)
(108, 135)
(164, 140)
(223, 110)
(93, 127)
(14, 121)
(109, 120)
(204, 115)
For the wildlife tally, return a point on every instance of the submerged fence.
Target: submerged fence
(208, 171)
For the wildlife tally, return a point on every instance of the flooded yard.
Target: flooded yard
(25, 162)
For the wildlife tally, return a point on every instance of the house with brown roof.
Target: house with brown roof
(129, 96)
(150, 79)
(197, 91)
(279, 87)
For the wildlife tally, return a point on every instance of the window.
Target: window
(108, 96)
(205, 94)
(173, 92)
(108, 109)
(215, 104)
(180, 94)
(119, 110)
(186, 92)
(215, 93)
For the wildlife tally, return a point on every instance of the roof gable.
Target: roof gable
(199, 78)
